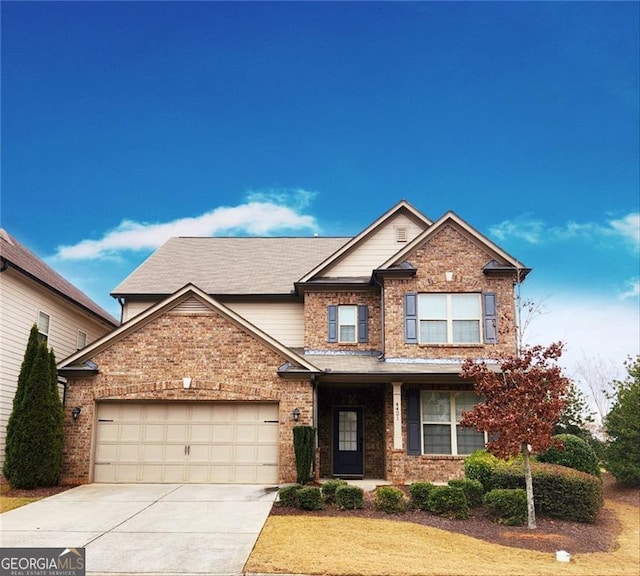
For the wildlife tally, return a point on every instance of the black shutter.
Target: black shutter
(489, 306)
(363, 323)
(332, 312)
(413, 422)
(410, 318)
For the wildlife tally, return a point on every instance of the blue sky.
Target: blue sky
(126, 123)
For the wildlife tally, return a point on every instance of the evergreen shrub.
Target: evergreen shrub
(479, 465)
(507, 506)
(419, 492)
(329, 489)
(448, 501)
(473, 490)
(288, 496)
(310, 498)
(390, 500)
(573, 452)
(349, 497)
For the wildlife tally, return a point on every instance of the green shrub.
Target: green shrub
(419, 492)
(472, 489)
(310, 498)
(288, 496)
(574, 452)
(390, 499)
(480, 465)
(558, 491)
(448, 501)
(329, 489)
(349, 497)
(507, 505)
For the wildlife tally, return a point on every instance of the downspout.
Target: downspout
(121, 302)
(382, 333)
(314, 423)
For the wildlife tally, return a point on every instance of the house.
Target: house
(33, 293)
(228, 343)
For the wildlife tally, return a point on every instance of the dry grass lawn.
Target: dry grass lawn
(7, 503)
(347, 546)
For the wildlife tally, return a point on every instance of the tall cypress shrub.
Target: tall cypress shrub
(35, 451)
(303, 445)
(27, 363)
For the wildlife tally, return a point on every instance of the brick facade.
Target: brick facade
(224, 362)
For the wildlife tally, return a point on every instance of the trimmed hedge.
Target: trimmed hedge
(288, 496)
(310, 498)
(349, 497)
(507, 506)
(448, 501)
(479, 465)
(390, 499)
(419, 492)
(473, 490)
(574, 452)
(329, 489)
(558, 491)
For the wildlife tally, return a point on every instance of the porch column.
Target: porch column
(397, 415)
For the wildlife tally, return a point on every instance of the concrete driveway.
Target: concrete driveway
(168, 529)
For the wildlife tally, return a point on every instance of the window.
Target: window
(348, 324)
(449, 318)
(81, 340)
(441, 431)
(43, 326)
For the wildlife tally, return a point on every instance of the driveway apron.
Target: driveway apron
(168, 529)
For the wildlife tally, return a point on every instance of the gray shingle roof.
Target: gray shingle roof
(21, 258)
(235, 266)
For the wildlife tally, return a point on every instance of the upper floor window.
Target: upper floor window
(81, 339)
(449, 318)
(348, 324)
(441, 429)
(463, 318)
(43, 326)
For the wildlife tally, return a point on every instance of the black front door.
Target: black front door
(347, 442)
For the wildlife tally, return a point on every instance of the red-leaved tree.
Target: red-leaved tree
(523, 397)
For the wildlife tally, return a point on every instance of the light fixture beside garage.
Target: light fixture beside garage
(296, 414)
(186, 382)
(75, 412)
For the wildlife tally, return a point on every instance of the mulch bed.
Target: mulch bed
(549, 536)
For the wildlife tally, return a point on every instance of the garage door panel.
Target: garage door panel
(203, 442)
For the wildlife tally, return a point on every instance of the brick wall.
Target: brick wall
(449, 250)
(316, 319)
(223, 361)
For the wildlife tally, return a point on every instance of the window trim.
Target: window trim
(452, 423)
(43, 335)
(421, 296)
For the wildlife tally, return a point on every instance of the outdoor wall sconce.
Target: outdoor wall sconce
(75, 412)
(296, 414)
(448, 276)
(186, 383)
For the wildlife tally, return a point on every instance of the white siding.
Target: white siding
(378, 248)
(282, 321)
(20, 301)
(132, 309)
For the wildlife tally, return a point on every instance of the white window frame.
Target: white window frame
(450, 317)
(453, 423)
(81, 339)
(44, 333)
(341, 309)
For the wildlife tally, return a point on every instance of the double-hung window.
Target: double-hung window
(441, 429)
(43, 326)
(348, 324)
(449, 318)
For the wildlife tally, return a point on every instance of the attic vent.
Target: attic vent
(192, 306)
(401, 234)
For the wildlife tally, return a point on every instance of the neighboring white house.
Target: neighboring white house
(33, 293)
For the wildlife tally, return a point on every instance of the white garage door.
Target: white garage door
(199, 442)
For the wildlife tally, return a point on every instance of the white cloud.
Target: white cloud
(264, 213)
(626, 228)
(633, 290)
(593, 328)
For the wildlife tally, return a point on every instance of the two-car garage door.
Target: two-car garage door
(187, 442)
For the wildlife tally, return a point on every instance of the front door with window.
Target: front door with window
(347, 442)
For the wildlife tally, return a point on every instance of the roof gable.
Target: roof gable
(183, 297)
(345, 261)
(501, 259)
(20, 258)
